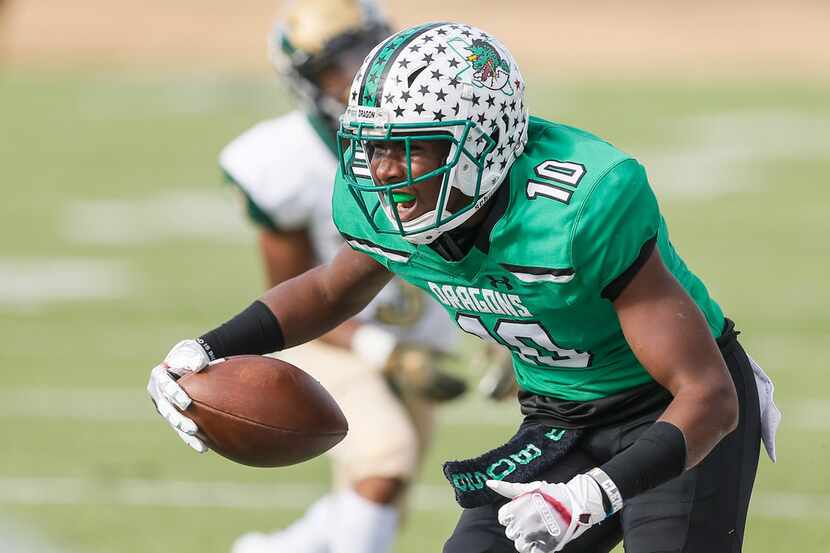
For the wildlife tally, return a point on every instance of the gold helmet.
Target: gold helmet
(316, 35)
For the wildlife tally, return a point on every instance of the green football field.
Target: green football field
(117, 239)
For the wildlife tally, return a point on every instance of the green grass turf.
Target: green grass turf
(67, 138)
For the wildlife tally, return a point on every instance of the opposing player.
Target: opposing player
(643, 420)
(382, 366)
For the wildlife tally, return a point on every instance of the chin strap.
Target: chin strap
(455, 244)
(450, 249)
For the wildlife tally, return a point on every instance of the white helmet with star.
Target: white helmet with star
(438, 81)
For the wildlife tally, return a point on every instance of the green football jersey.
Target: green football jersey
(577, 214)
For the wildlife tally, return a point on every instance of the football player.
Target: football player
(643, 414)
(383, 365)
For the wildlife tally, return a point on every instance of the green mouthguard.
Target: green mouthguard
(402, 197)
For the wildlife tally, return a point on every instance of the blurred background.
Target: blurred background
(117, 238)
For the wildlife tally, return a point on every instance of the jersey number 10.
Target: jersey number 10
(552, 170)
(527, 339)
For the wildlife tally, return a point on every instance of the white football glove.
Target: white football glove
(544, 517)
(185, 357)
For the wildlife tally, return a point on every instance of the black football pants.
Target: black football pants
(701, 511)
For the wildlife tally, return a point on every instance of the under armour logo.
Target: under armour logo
(500, 281)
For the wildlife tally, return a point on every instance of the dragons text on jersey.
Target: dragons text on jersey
(479, 300)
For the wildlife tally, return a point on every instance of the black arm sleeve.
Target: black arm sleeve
(657, 456)
(255, 331)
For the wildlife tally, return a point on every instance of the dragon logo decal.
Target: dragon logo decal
(490, 68)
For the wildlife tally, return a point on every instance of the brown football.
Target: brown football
(263, 412)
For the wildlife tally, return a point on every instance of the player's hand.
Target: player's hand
(169, 398)
(417, 370)
(498, 380)
(544, 517)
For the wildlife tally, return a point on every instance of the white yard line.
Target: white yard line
(718, 153)
(708, 155)
(125, 404)
(235, 495)
(27, 283)
(209, 212)
(16, 538)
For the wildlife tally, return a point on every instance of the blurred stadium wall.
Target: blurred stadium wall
(693, 40)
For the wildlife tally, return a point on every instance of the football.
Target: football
(262, 412)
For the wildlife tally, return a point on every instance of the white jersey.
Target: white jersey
(287, 171)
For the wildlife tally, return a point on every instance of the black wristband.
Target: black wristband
(657, 456)
(255, 331)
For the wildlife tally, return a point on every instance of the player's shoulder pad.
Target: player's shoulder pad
(549, 186)
(619, 215)
(282, 166)
(548, 140)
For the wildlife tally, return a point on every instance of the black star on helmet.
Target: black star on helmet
(491, 101)
(419, 109)
(513, 105)
(354, 94)
(436, 74)
(441, 95)
(502, 165)
(424, 89)
(441, 32)
(500, 150)
(399, 111)
(405, 96)
(453, 62)
(466, 33)
(427, 38)
(389, 97)
(481, 119)
(475, 99)
(490, 163)
(456, 108)
(428, 58)
(454, 82)
(404, 63)
(438, 115)
(415, 48)
(440, 49)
